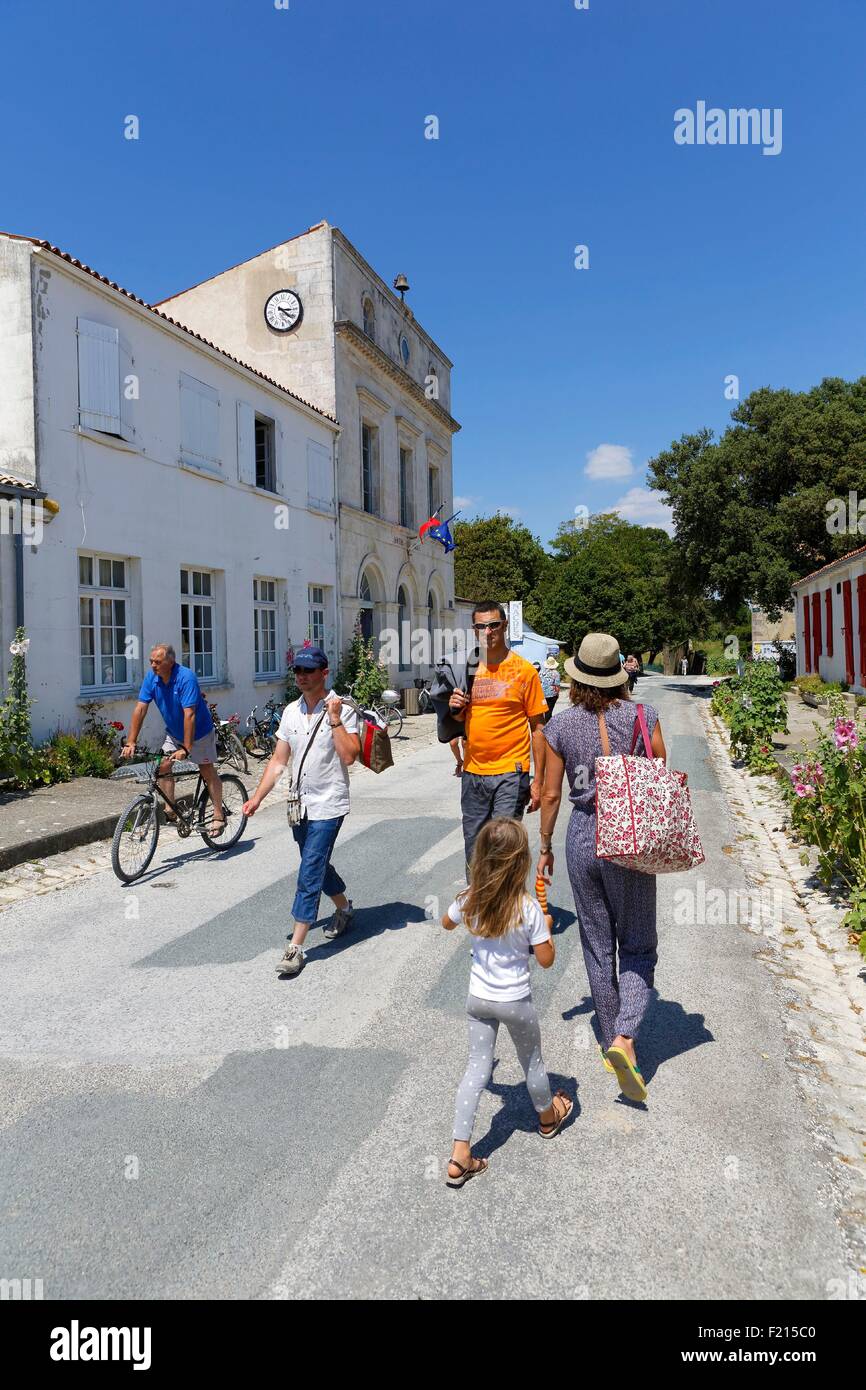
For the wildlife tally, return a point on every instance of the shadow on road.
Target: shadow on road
(518, 1112)
(668, 1031)
(367, 922)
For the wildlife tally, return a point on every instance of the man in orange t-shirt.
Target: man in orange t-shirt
(504, 714)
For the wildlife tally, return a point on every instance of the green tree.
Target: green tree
(611, 576)
(496, 558)
(753, 510)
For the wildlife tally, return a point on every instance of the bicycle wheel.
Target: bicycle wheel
(425, 704)
(252, 745)
(395, 720)
(233, 751)
(135, 837)
(234, 796)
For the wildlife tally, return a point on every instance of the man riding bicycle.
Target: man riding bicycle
(188, 724)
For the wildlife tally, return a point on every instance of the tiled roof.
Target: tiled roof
(112, 284)
(9, 480)
(861, 550)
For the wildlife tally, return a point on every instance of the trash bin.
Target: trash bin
(410, 700)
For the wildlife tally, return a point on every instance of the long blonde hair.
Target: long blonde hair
(492, 905)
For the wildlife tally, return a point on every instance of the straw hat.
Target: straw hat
(597, 662)
(551, 663)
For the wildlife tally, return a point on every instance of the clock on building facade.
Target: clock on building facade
(283, 311)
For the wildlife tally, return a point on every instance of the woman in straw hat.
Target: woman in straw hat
(616, 907)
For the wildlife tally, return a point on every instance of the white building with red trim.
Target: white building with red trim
(830, 608)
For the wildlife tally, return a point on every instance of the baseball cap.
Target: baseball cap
(310, 659)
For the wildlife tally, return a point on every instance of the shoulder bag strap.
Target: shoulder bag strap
(640, 726)
(296, 780)
(602, 729)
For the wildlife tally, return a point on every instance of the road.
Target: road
(181, 1124)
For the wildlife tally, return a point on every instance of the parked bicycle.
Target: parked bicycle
(261, 734)
(388, 710)
(137, 829)
(230, 750)
(425, 704)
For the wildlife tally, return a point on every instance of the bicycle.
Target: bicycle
(425, 703)
(137, 831)
(230, 750)
(261, 738)
(387, 710)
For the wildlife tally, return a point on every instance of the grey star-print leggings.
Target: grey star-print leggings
(521, 1020)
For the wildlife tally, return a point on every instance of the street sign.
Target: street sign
(515, 622)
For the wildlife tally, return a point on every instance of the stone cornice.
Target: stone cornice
(401, 307)
(344, 328)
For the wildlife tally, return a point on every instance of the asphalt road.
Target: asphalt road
(179, 1123)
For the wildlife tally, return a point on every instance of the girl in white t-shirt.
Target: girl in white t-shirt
(506, 924)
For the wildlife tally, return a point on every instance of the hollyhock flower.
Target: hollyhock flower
(803, 789)
(845, 734)
(19, 648)
(116, 725)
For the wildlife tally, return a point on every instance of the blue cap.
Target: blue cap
(310, 659)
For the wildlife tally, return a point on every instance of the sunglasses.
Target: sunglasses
(489, 627)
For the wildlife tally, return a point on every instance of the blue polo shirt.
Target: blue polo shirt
(182, 692)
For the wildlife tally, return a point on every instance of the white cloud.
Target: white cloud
(508, 511)
(464, 503)
(609, 461)
(644, 508)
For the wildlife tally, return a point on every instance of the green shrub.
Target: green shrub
(76, 755)
(721, 666)
(361, 670)
(814, 685)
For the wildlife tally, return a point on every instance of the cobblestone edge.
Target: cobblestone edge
(821, 981)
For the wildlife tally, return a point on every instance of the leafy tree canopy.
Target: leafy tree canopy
(496, 558)
(612, 576)
(752, 509)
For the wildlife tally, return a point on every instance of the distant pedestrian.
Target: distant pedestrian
(320, 734)
(616, 907)
(506, 924)
(632, 667)
(458, 748)
(551, 685)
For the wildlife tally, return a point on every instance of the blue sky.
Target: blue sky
(556, 129)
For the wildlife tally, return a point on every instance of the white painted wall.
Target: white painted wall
(832, 668)
(136, 501)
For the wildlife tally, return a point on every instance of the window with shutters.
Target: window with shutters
(106, 383)
(265, 626)
(198, 621)
(199, 424)
(320, 477)
(407, 502)
(265, 444)
(370, 468)
(103, 617)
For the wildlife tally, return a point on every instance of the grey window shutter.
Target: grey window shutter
(98, 377)
(246, 443)
(199, 422)
(320, 477)
(127, 428)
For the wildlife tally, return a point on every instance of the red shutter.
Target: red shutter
(816, 630)
(861, 618)
(828, 604)
(807, 633)
(848, 629)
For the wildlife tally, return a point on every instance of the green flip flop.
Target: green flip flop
(631, 1083)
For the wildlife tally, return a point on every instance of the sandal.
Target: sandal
(603, 1056)
(216, 829)
(548, 1131)
(631, 1083)
(465, 1173)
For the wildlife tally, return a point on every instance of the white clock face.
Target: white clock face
(283, 311)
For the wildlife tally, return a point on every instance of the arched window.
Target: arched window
(368, 317)
(366, 599)
(404, 616)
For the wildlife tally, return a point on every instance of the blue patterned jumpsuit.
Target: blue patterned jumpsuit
(616, 907)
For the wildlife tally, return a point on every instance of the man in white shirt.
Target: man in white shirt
(322, 732)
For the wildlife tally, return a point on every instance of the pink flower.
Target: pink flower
(803, 789)
(845, 734)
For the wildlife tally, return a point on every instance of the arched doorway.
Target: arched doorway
(404, 616)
